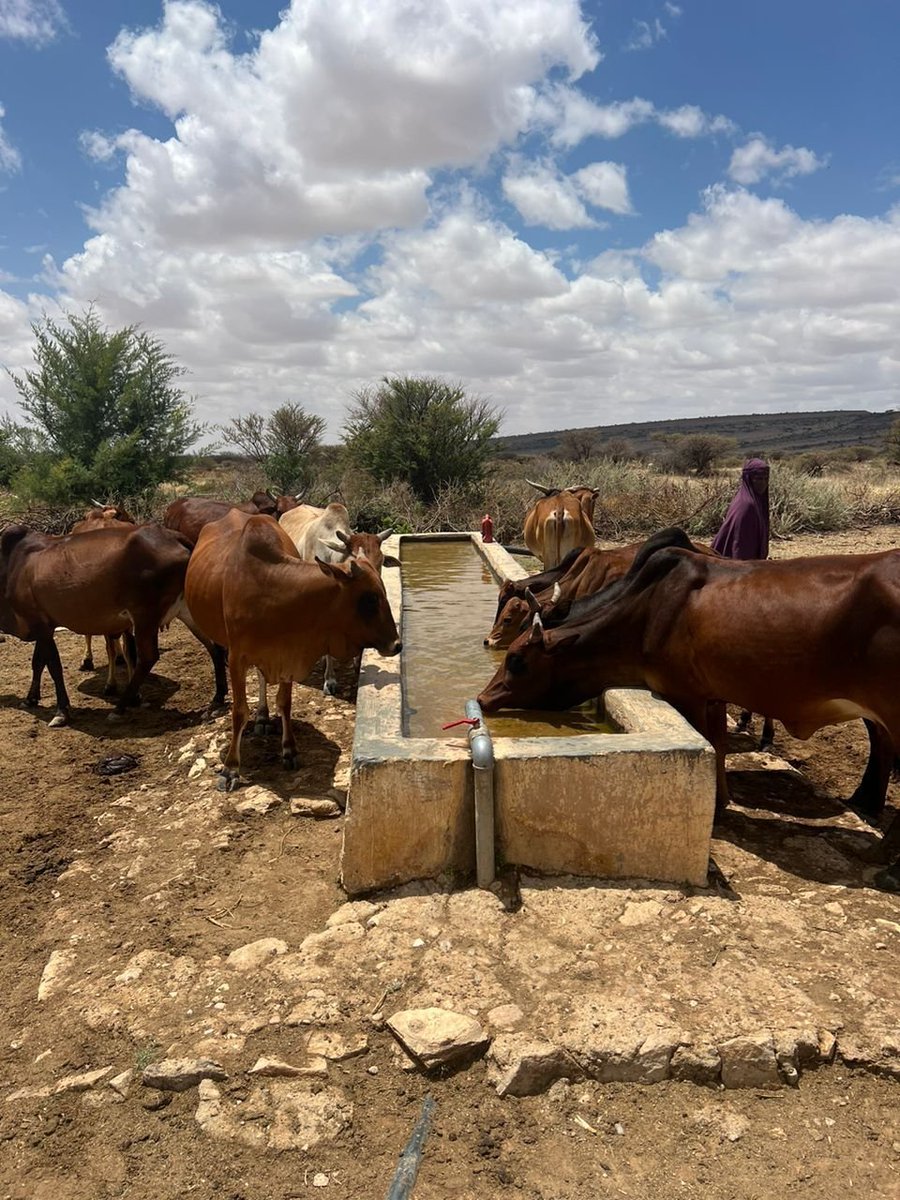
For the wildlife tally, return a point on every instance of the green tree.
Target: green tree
(421, 430)
(283, 443)
(106, 416)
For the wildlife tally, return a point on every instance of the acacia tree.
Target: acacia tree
(283, 443)
(421, 430)
(105, 414)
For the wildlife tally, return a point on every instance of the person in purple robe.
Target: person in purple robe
(745, 534)
(745, 531)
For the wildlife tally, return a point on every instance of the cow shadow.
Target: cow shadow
(780, 817)
(261, 761)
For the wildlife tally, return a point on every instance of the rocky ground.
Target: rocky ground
(192, 1008)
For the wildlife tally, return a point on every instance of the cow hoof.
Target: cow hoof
(767, 747)
(110, 690)
(290, 761)
(87, 665)
(29, 702)
(330, 688)
(261, 727)
(228, 781)
(58, 721)
(116, 717)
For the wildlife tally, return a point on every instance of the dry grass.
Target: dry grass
(634, 499)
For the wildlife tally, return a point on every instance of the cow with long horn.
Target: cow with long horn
(562, 520)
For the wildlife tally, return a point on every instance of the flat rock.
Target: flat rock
(179, 1074)
(256, 801)
(505, 1016)
(82, 1082)
(749, 1061)
(525, 1066)
(641, 912)
(275, 1068)
(254, 954)
(121, 1083)
(320, 807)
(335, 1046)
(56, 973)
(281, 1114)
(696, 1064)
(437, 1035)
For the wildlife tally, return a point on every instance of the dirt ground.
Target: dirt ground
(154, 874)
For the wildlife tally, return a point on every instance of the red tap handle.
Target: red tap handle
(473, 721)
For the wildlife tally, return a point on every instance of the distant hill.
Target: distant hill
(756, 433)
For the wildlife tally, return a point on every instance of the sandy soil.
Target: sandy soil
(156, 868)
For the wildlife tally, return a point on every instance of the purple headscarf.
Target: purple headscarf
(745, 530)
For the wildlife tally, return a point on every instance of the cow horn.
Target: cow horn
(384, 535)
(337, 547)
(557, 592)
(540, 487)
(271, 494)
(537, 629)
(299, 496)
(532, 601)
(97, 504)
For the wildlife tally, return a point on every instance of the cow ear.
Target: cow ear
(561, 641)
(390, 561)
(333, 569)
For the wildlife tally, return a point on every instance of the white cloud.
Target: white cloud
(294, 239)
(572, 117)
(543, 197)
(689, 121)
(645, 34)
(10, 159)
(337, 121)
(757, 158)
(605, 185)
(36, 21)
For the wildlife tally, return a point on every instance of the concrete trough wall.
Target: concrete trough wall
(635, 804)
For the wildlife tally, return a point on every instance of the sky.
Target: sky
(584, 213)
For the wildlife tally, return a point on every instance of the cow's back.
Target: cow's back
(189, 514)
(96, 582)
(308, 526)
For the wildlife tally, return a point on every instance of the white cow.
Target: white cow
(325, 533)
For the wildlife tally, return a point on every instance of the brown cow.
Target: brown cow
(102, 516)
(248, 590)
(189, 514)
(811, 641)
(113, 581)
(325, 533)
(562, 520)
(553, 593)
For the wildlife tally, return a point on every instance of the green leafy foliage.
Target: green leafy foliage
(423, 431)
(105, 415)
(284, 444)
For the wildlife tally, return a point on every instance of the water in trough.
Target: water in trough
(449, 602)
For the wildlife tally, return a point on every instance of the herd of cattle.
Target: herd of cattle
(807, 641)
(276, 585)
(269, 583)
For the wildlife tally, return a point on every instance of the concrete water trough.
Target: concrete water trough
(633, 800)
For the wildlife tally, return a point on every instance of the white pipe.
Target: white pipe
(482, 750)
